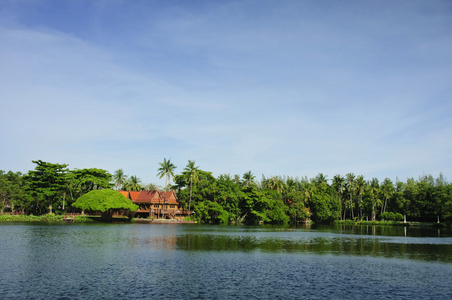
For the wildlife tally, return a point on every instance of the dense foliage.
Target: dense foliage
(243, 199)
(106, 201)
(48, 187)
(46, 182)
(239, 199)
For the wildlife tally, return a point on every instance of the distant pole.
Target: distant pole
(404, 219)
(438, 219)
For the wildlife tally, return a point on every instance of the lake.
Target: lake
(190, 261)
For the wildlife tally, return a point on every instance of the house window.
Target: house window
(156, 205)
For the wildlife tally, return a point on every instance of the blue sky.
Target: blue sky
(292, 88)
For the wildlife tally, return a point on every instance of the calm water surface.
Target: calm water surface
(167, 261)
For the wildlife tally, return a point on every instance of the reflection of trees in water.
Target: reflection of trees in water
(389, 247)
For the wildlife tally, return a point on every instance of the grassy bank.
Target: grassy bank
(43, 218)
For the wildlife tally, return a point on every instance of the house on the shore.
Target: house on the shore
(156, 204)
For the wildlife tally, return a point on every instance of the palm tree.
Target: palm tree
(289, 187)
(150, 187)
(374, 191)
(237, 178)
(339, 185)
(350, 177)
(248, 177)
(134, 184)
(360, 185)
(166, 169)
(307, 189)
(191, 171)
(387, 190)
(119, 178)
(320, 178)
(274, 183)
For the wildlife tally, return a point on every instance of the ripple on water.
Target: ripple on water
(176, 262)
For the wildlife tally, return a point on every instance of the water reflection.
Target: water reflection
(109, 261)
(312, 243)
(396, 242)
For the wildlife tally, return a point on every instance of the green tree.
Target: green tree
(398, 203)
(133, 184)
(374, 191)
(350, 186)
(254, 205)
(46, 182)
(229, 194)
(150, 187)
(13, 195)
(297, 210)
(211, 212)
(248, 177)
(360, 186)
(191, 173)
(274, 183)
(276, 210)
(106, 201)
(411, 194)
(324, 205)
(166, 169)
(339, 186)
(72, 188)
(320, 178)
(446, 212)
(92, 179)
(387, 190)
(82, 181)
(119, 178)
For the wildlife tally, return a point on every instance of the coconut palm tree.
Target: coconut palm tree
(274, 183)
(320, 178)
(237, 178)
(191, 171)
(360, 185)
(133, 184)
(248, 177)
(339, 186)
(290, 186)
(387, 190)
(350, 179)
(166, 169)
(119, 178)
(374, 187)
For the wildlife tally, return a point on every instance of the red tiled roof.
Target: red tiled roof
(125, 193)
(151, 197)
(147, 197)
(134, 195)
(170, 197)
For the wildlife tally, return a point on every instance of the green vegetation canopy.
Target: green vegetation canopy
(103, 200)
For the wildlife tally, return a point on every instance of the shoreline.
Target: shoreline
(91, 219)
(392, 223)
(163, 221)
(84, 219)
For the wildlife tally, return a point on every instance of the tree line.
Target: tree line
(239, 198)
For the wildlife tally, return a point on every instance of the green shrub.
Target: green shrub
(398, 217)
